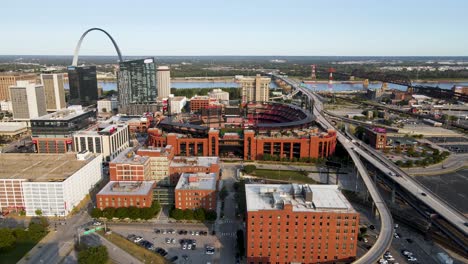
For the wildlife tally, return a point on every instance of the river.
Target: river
(336, 87)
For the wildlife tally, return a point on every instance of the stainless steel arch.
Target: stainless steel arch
(77, 49)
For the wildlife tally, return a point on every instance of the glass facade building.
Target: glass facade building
(83, 85)
(137, 82)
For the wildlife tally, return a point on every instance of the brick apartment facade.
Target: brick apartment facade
(128, 166)
(292, 235)
(181, 165)
(196, 190)
(126, 194)
(377, 137)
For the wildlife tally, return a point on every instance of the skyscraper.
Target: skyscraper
(28, 100)
(163, 76)
(83, 85)
(9, 79)
(54, 91)
(255, 89)
(137, 85)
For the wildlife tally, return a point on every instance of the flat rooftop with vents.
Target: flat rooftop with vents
(127, 188)
(302, 197)
(42, 167)
(197, 181)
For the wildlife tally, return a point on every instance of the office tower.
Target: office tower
(293, 223)
(53, 133)
(163, 76)
(28, 100)
(136, 84)
(54, 91)
(9, 79)
(83, 85)
(255, 89)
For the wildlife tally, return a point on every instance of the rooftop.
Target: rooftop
(128, 156)
(40, 167)
(8, 127)
(179, 161)
(156, 151)
(64, 114)
(127, 188)
(197, 181)
(303, 198)
(102, 129)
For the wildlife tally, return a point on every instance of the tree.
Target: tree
(249, 168)
(409, 163)
(133, 212)
(38, 212)
(177, 214)
(199, 214)
(108, 212)
(211, 215)
(188, 214)
(93, 255)
(398, 150)
(410, 151)
(36, 231)
(7, 239)
(121, 213)
(96, 213)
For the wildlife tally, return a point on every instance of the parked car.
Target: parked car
(174, 258)
(157, 231)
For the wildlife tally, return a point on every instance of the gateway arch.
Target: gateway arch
(78, 46)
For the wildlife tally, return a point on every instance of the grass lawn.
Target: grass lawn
(14, 255)
(283, 175)
(133, 249)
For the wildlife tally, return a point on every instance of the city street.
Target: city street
(54, 247)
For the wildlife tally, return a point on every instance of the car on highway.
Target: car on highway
(423, 194)
(391, 173)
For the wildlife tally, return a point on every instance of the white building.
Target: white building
(105, 138)
(107, 106)
(219, 94)
(51, 183)
(163, 77)
(28, 100)
(54, 91)
(6, 106)
(177, 103)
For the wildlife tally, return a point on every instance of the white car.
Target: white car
(137, 239)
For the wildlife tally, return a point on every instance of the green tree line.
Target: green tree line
(199, 214)
(131, 212)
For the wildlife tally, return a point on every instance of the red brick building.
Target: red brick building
(294, 223)
(128, 166)
(181, 165)
(377, 137)
(200, 102)
(126, 194)
(253, 146)
(196, 190)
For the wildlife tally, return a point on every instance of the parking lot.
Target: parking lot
(173, 241)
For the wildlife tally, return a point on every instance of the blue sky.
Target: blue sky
(255, 27)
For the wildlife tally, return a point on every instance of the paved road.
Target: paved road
(228, 226)
(412, 186)
(386, 233)
(54, 247)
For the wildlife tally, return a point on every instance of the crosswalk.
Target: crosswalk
(229, 234)
(226, 221)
